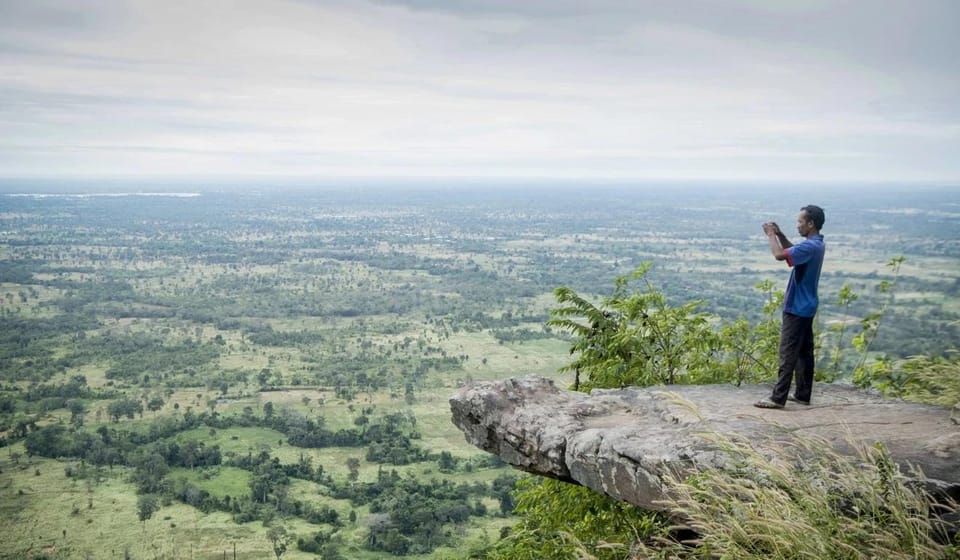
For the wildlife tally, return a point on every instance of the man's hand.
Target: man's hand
(778, 242)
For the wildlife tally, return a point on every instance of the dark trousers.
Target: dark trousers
(796, 355)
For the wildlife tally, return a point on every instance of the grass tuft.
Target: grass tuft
(801, 500)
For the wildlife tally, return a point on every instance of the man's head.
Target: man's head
(810, 220)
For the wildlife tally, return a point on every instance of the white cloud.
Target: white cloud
(724, 90)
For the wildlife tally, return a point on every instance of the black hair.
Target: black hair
(815, 214)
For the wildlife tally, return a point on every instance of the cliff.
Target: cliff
(625, 442)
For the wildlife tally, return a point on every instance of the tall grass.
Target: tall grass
(801, 500)
(933, 380)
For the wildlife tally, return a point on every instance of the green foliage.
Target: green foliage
(124, 407)
(269, 482)
(921, 378)
(56, 441)
(772, 506)
(410, 516)
(28, 345)
(342, 292)
(279, 539)
(565, 521)
(926, 379)
(750, 351)
(635, 337)
(147, 505)
(870, 325)
(135, 356)
(845, 299)
(150, 468)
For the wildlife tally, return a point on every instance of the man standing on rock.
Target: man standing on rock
(799, 305)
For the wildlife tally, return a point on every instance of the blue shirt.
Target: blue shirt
(806, 258)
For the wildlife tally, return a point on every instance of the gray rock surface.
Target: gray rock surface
(625, 442)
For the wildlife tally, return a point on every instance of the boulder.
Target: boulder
(626, 442)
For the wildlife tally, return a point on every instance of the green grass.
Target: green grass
(36, 520)
(51, 503)
(774, 506)
(218, 481)
(433, 419)
(239, 440)
(254, 440)
(68, 518)
(534, 357)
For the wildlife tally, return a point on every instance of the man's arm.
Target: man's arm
(784, 242)
(778, 241)
(775, 246)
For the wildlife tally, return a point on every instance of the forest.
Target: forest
(265, 373)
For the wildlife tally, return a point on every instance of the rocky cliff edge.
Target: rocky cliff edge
(626, 442)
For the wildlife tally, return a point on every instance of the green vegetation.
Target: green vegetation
(832, 506)
(825, 506)
(269, 372)
(561, 520)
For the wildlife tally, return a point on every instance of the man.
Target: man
(799, 305)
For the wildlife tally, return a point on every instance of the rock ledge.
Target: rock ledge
(625, 442)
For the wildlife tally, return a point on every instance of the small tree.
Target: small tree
(845, 299)
(280, 539)
(635, 337)
(353, 464)
(155, 404)
(750, 351)
(124, 407)
(870, 325)
(78, 411)
(147, 504)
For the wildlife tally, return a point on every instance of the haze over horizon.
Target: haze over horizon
(698, 90)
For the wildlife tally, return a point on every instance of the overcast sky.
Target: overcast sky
(815, 90)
